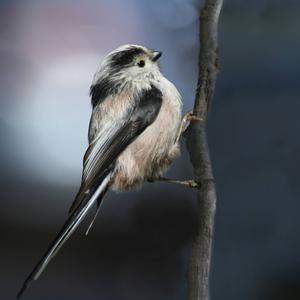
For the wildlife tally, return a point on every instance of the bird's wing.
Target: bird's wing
(98, 168)
(114, 138)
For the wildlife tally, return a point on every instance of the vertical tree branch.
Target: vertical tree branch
(199, 262)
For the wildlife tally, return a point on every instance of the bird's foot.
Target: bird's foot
(187, 183)
(185, 123)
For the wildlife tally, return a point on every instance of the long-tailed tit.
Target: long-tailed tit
(133, 134)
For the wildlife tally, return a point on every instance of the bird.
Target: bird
(133, 135)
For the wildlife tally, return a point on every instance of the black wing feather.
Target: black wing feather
(148, 104)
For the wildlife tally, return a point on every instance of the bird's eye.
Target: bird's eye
(141, 63)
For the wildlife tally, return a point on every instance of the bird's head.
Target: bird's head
(129, 62)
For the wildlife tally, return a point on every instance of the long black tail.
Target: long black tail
(70, 225)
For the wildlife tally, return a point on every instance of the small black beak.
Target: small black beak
(156, 55)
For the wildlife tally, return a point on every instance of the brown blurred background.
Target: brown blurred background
(140, 243)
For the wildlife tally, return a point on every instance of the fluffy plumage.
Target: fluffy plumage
(132, 134)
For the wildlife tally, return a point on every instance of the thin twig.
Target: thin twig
(199, 261)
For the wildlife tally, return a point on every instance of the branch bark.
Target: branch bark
(199, 261)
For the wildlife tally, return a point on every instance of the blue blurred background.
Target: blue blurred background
(139, 246)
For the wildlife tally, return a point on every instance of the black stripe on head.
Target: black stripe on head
(104, 87)
(125, 57)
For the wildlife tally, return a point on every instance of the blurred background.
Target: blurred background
(140, 243)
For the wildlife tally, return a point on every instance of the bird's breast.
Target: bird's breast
(149, 155)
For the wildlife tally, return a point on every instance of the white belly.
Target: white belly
(148, 157)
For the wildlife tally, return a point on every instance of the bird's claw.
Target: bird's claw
(190, 116)
(187, 119)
